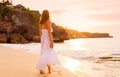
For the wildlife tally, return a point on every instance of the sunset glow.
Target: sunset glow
(77, 46)
(82, 15)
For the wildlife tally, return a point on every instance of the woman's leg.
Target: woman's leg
(42, 70)
(49, 68)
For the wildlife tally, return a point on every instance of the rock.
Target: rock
(36, 39)
(105, 57)
(17, 38)
(3, 38)
(59, 33)
(58, 40)
(19, 7)
(16, 20)
(28, 37)
(5, 27)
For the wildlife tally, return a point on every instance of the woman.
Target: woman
(48, 55)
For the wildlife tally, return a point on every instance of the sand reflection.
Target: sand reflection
(70, 64)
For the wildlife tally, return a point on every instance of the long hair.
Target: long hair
(44, 17)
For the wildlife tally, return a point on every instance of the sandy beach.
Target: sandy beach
(21, 63)
(17, 63)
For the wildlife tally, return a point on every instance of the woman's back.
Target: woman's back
(44, 39)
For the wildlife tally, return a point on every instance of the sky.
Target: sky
(82, 15)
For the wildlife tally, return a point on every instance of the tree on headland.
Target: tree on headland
(6, 2)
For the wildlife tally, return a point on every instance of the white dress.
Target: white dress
(48, 55)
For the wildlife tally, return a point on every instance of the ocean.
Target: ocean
(83, 48)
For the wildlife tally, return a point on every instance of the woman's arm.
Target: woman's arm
(40, 30)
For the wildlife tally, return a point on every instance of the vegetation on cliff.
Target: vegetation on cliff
(18, 24)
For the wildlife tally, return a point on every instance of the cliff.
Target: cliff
(18, 24)
(21, 25)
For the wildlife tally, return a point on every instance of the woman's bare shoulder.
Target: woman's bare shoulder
(48, 24)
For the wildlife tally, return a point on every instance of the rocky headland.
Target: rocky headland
(19, 24)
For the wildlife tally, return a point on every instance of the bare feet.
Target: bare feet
(42, 72)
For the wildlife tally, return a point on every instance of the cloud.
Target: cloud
(57, 11)
(106, 17)
(82, 12)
